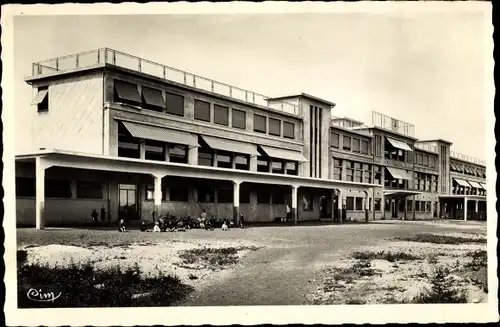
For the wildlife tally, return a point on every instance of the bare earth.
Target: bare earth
(291, 265)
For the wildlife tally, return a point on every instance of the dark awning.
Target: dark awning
(230, 145)
(162, 134)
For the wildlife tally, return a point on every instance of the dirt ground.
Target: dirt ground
(290, 265)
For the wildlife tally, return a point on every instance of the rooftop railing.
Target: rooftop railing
(392, 124)
(121, 59)
(426, 147)
(350, 124)
(467, 158)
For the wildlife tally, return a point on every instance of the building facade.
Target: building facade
(140, 139)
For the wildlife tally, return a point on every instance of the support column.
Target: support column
(215, 159)
(476, 210)
(365, 206)
(157, 195)
(373, 200)
(236, 201)
(253, 163)
(166, 150)
(193, 155)
(332, 200)
(413, 205)
(233, 158)
(40, 166)
(406, 207)
(340, 205)
(142, 149)
(465, 208)
(295, 217)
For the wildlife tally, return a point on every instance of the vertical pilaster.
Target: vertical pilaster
(40, 167)
(157, 195)
(465, 208)
(253, 163)
(294, 204)
(236, 201)
(340, 205)
(193, 155)
(142, 149)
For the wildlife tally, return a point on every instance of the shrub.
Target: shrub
(382, 255)
(82, 286)
(443, 290)
(441, 239)
(208, 256)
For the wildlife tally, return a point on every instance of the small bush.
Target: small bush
(382, 255)
(479, 260)
(443, 290)
(441, 239)
(213, 257)
(82, 286)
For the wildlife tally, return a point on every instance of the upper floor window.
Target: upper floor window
(152, 99)
(364, 147)
(242, 162)
(259, 123)
(239, 119)
(41, 99)
(175, 104)
(154, 150)
(426, 160)
(201, 110)
(221, 115)
(291, 168)
(274, 126)
(178, 153)
(126, 92)
(355, 145)
(347, 143)
(334, 140)
(288, 130)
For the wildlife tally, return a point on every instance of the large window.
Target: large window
(149, 191)
(25, 187)
(355, 145)
(291, 168)
(334, 140)
(349, 203)
(347, 143)
(55, 188)
(377, 205)
(41, 99)
(155, 150)
(178, 192)
(378, 175)
(201, 110)
(277, 166)
(358, 173)
(242, 162)
(364, 147)
(225, 195)
(426, 160)
(359, 203)
(307, 201)
(205, 157)
(175, 104)
(89, 190)
(259, 123)
(274, 126)
(262, 165)
(239, 119)
(152, 99)
(178, 154)
(224, 160)
(367, 173)
(337, 169)
(288, 130)
(432, 162)
(126, 92)
(221, 115)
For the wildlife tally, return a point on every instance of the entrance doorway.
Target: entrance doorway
(127, 206)
(395, 208)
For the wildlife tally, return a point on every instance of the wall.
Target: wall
(74, 120)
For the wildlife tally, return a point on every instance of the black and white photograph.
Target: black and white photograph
(246, 163)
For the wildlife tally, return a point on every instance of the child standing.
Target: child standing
(94, 215)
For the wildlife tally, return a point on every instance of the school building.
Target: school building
(140, 139)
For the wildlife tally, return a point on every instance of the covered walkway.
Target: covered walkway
(463, 207)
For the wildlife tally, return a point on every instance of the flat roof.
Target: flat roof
(388, 131)
(435, 140)
(304, 95)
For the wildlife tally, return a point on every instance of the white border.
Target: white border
(239, 315)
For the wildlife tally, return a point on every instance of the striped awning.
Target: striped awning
(483, 185)
(283, 154)
(399, 173)
(475, 184)
(162, 134)
(230, 145)
(399, 144)
(461, 182)
(40, 96)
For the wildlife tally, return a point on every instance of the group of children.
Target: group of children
(170, 223)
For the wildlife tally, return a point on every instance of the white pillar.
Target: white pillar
(40, 167)
(294, 204)
(477, 206)
(166, 149)
(236, 201)
(340, 203)
(142, 149)
(157, 195)
(193, 155)
(465, 208)
(253, 163)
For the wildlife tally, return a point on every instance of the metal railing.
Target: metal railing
(350, 124)
(392, 124)
(121, 59)
(467, 158)
(426, 147)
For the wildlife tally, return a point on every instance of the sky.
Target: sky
(425, 68)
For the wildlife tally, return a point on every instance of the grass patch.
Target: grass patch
(478, 269)
(443, 290)
(82, 286)
(442, 239)
(221, 257)
(383, 255)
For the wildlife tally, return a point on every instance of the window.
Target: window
(239, 119)
(244, 195)
(337, 169)
(417, 205)
(128, 146)
(378, 145)
(364, 147)
(175, 104)
(274, 126)
(242, 162)
(347, 143)
(358, 176)
(426, 160)
(201, 110)
(150, 192)
(225, 195)
(221, 115)
(334, 140)
(377, 204)
(57, 188)
(307, 202)
(25, 187)
(419, 159)
(410, 205)
(155, 150)
(355, 145)
(259, 123)
(277, 167)
(178, 154)
(224, 160)
(349, 174)
(205, 157)
(127, 93)
(263, 196)
(152, 99)
(88, 190)
(288, 130)
(349, 203)
(262, 165)
(41, 99)
(432, 162)
(359, 203)
(428, 206)
(178, 192)
(205, 194)
(378, 175)
(291, 168)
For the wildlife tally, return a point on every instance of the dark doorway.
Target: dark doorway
(127, 206)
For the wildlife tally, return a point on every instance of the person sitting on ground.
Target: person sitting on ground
(144, 226)
(242, 220)
(121, 226)
(94, 215)
(224, 225)
(156, 228)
